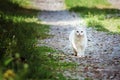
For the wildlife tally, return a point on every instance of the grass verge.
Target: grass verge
(98, 14)
(20, 58)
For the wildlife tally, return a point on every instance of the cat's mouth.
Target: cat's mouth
(80, 34)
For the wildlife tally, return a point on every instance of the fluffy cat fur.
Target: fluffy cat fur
(78, 40)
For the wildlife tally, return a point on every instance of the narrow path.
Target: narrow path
(49, 5)
(103, 51)
(115, 3)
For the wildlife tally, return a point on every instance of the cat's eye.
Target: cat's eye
(81, 31)
(77, 31)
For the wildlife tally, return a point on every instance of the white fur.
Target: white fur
(78, 40)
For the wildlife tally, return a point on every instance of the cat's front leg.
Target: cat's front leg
(74, 49)
(75, 52)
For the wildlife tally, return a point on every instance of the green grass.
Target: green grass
(20, 57)
(97, 13)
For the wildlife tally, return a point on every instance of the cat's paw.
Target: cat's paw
(81, 55)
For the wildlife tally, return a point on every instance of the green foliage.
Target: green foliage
(21, 3)
(88, 78)
(85, 3)
(44, 65)
(96, 24)
(20, 57)
(98, 14)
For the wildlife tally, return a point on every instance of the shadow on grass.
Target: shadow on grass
(8, 7)
(94, 10)
(18, 50)
(98, 27)
(22, 32)
(96, 15)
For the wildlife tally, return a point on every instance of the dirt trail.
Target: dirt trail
(49, 5)
(103, 51)
(115, 3)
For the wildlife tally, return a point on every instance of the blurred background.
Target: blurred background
(21, 58)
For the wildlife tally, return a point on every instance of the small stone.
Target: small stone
(89, 40)
(105, 50)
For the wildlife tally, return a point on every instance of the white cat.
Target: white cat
(78, 40)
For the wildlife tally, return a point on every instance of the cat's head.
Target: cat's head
(80, 31)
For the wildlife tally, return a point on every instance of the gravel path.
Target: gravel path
(102, 61)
